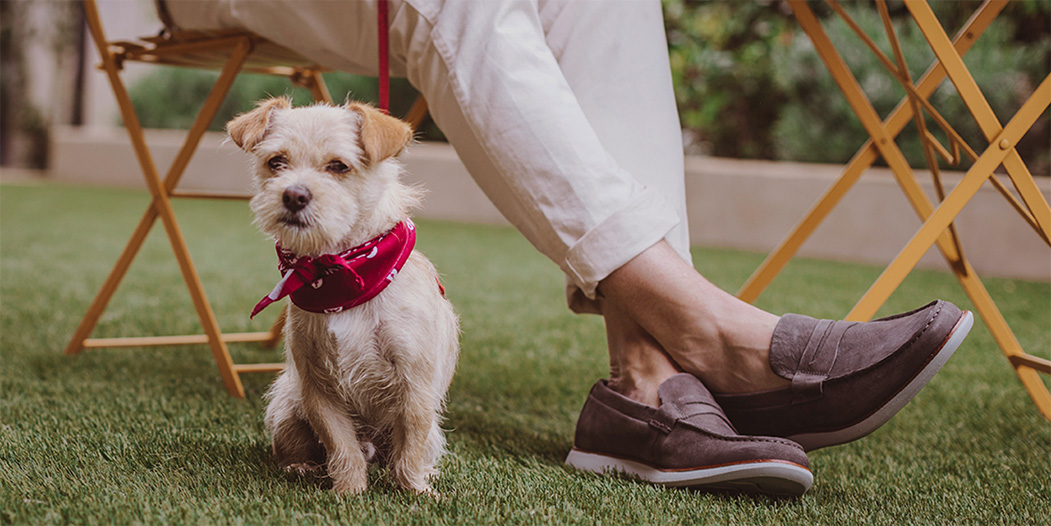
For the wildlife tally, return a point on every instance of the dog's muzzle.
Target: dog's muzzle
(296, 198)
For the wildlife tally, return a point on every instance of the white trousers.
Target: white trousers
(562, 110)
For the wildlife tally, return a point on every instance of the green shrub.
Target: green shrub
(749, 83)
(721, 57)
(816, 113)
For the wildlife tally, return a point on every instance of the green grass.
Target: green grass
(124, 436)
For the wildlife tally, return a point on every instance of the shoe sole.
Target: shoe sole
(771, 477)
(812, 441)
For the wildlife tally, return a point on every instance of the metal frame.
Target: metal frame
(232, 52)
(937, 219)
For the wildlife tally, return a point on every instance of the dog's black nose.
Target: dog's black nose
(296, 197)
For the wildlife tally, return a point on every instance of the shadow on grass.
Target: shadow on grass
(507, 439)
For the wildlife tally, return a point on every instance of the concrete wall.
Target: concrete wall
(750, 205)
(753, 205)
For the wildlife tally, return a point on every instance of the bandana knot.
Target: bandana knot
(341, 281)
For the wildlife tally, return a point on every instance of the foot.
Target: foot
(637, 363)
(704, 330)
(847, 378)
(687, 441)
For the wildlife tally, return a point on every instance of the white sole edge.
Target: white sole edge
(812, 441)
(769, 477)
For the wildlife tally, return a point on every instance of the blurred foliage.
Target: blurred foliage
(170, 97)
(749, 83)
(721, 57)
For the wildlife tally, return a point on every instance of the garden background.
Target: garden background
(149, 436)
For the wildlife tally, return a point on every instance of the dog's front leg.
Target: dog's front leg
(295, 445)
(347, 466)
(418, 443)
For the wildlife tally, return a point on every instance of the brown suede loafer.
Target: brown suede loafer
(687, 441)
(848, 378)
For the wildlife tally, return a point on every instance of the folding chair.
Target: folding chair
(937, 220)
(230, 51)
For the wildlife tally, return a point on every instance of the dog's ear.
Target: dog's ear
(382, 136)
(247, 129)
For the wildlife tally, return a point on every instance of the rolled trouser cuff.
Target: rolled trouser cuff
(609, 245)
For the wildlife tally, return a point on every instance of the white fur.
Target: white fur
(371, 379)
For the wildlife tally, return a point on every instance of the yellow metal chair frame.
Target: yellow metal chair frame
(937, 220)
(230, 51)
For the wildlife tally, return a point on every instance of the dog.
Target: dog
(364, 377)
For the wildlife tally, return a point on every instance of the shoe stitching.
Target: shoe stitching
(862, 418)
(911, 312)
(810, 339)
(904, 347)
(743, 438)
(661, 426)
(815, 372)
(930, 321)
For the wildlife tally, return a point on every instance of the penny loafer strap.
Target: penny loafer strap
(815, 364)
(670, 413)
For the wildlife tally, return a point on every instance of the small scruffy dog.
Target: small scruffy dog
(367, 372)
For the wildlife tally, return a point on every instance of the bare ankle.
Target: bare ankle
(736, 371)
(643, 392)
(702, 329)
(638, 364)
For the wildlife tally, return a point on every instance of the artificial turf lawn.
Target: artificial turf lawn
(122, 436)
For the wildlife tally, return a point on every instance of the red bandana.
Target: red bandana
(340, 281)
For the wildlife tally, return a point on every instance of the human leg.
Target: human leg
(618, 117)
(638, 364)
(525, 136)
(708, 332)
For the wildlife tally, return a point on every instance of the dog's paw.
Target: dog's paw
(346, 487)
(354, 484)
(428, 491)
(302, 468)
(417, 484)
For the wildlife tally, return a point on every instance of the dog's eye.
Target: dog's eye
(277, 162)
(337, 167)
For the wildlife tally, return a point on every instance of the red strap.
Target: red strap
(384, 73)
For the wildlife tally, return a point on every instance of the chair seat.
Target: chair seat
(210, 49)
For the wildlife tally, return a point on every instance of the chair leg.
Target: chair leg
(161, 207)
(893, 125)
(937, 222)
(417, 113)
(1024, 365)
(776, 261)
(982, 112)
(316, 84)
